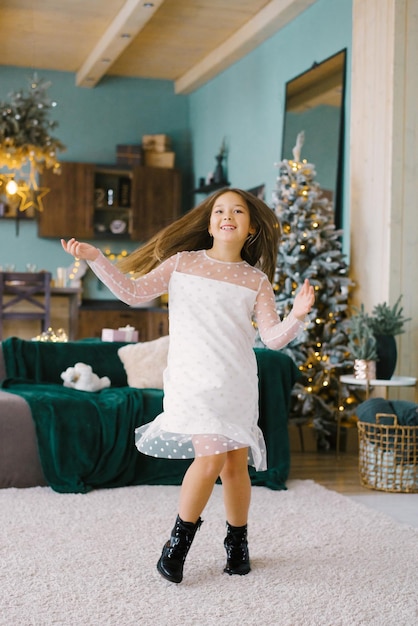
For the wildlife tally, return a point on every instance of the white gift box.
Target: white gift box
(124, 333)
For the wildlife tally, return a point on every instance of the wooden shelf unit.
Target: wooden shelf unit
(89, 201)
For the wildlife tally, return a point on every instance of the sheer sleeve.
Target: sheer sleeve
(274, 333)
(137, 290)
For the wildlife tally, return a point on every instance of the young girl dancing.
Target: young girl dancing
(216, 263)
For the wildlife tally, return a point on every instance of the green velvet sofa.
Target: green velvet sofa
(76, 441)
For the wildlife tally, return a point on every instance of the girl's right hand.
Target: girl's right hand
(80, 250)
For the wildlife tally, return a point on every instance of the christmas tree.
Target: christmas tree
(25, 129)
(311, 248)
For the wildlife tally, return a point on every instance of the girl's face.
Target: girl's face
(230, 219)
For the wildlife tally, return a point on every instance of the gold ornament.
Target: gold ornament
(31, 196)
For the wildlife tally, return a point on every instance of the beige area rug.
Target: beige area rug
(318, 558)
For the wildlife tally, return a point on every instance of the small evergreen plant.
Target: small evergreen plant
(388, 321)
(361, 338)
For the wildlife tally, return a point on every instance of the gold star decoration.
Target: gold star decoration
(31, 196)
(39, 194)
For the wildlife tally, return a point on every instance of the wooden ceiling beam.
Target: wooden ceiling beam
(266, 23)
(130, 20)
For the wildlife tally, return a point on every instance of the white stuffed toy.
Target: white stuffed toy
(82, 377)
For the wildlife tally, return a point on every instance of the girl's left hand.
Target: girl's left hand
(304, 301)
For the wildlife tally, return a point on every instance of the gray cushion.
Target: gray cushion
(20, 465)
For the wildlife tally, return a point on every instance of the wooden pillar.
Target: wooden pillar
(384, 161)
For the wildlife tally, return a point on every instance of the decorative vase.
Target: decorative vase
(218, 175)
(364, 370)
(387, 356)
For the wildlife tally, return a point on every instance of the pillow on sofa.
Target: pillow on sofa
(145, 362)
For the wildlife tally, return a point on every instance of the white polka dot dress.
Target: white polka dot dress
(210, 384)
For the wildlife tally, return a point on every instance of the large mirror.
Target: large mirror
(315, 105)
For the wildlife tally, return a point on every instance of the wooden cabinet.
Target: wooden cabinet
(156, 198)
(113, 208)
(68, 207)
(96, 315)
(92, 202)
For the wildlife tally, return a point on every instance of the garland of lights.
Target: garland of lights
(27, 145)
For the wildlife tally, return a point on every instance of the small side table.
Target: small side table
(395, 381)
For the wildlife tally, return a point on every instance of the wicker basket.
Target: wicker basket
(388, 455)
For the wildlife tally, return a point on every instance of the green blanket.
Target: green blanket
(40, 361)
(86, 440)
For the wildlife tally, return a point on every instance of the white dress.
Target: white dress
(210, 383)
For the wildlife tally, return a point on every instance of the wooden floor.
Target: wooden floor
(337, 473)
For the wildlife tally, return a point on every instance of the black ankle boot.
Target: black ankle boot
(236, 546)
(171, 562)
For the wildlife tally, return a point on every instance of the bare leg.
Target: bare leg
(237, 495)
(236, 487)
(198, 485)
(195, 492)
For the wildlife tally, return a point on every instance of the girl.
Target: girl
(216, 263)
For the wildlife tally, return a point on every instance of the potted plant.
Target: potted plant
(387, 322)
(372, 337)
(362, 344)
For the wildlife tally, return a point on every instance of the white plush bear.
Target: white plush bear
(82, 377)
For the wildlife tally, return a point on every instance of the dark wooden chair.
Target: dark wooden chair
(25, 296)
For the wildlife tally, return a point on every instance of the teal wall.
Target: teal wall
(91, 123)
(244, 104)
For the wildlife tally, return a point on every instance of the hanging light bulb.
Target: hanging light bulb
(11, 187)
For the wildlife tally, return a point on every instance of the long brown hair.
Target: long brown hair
(190, 232)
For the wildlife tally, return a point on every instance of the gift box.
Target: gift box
(129, 154)
(156, 143)
(125, 333)
(159, 159)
